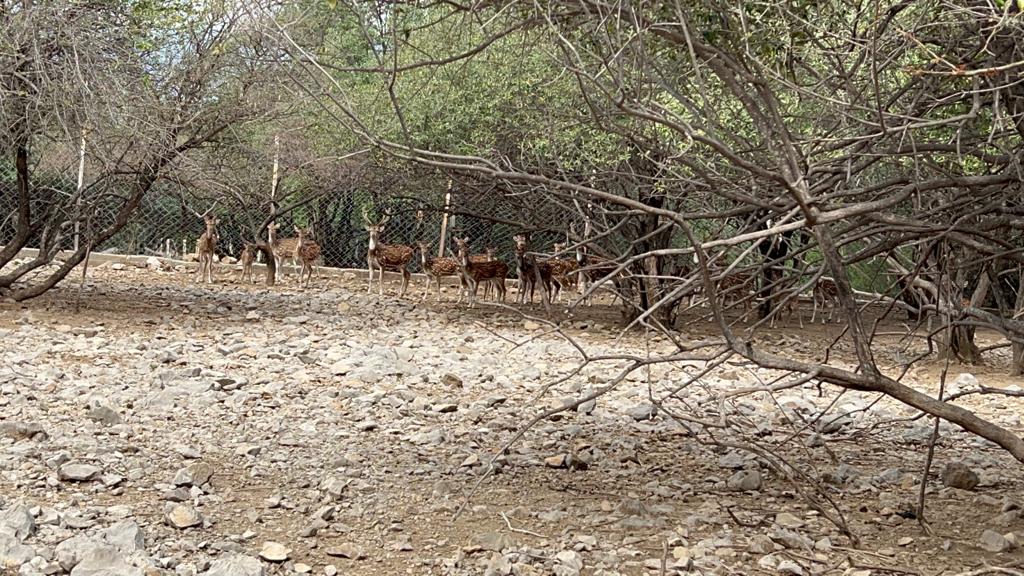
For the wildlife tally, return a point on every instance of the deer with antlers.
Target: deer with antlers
(392, 257)
(307, 251)
(494, 271)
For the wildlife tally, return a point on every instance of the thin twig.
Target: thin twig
(519, 530)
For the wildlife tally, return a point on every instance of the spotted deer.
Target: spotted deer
(825, 293)
(206, 247)
(487, 256)
(591, 269)
(530, 271)
(282, 247)
(307, 251)
(247, 257)
(494, 271)
(564, 271)
(381, 257)
(435, 268)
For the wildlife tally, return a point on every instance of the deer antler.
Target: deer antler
(385, 219)
(366, 217)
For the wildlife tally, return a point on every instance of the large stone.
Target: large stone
(744, 480)
(13, 553)
(274, 552)
(568, 563)
(126, 536)
(182, 516)
(21, 431)
(787, 520)
(78, 472)
(493, 541)
(105, 561)
(71, 551)
(958, 475)
(235, 565)
(195, 474)
(17, 521)
(993, 541)
(104, 415)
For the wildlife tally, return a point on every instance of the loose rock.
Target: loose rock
(744, 480)
(183, 516)
(274, 552)
(958, 475)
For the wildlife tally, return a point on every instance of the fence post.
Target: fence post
(444, 221)
(78, 189)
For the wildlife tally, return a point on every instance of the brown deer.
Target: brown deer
(307, 252)
(247, 257)
(825, 292)
(393, 257)
(530, 272)
(494, 271)
(206, 246)
(591, 269)
(564, 271)
(487, 256)
(282, 248)
(734, 288)
(435, 268)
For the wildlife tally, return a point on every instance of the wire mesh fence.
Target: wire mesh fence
(165, 223)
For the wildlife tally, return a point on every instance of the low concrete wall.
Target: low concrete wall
(101, 257)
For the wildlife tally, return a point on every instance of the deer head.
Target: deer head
(462, 245)
(424, 250)
(521, 243)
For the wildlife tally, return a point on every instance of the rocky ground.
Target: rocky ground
(174, 428)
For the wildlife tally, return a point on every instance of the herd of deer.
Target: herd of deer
(551, 275)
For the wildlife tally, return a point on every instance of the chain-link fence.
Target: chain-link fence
(165, 224)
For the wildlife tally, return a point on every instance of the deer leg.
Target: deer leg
(501, 288)
(405, 281)
(471, 290)
(369, 285)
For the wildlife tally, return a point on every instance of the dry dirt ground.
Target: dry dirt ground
(352, 430)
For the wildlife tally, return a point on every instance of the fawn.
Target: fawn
(307, 252)
(247, 257)
(825, 292)
(564, 271)
(394, 257)
(494, 271)
(206, 246)
(435, 268)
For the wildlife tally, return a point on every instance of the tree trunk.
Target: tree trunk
(1017, 357)
(23, 230)
(961, 344)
